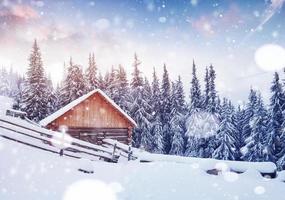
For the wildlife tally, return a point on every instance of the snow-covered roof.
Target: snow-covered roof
(74, 103)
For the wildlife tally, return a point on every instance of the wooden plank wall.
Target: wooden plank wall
(93, 112)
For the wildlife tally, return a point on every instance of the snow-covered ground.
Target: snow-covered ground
(28, 173)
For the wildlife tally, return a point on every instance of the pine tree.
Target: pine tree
(34, 99)
(156, 131)
(146, 135)
(248, 114)
(226, 149)
(101, 82)
(177, 121)
(207, 89)
(166, 110)
(255, 150)
(121, 94)
(158, 144)
(212, 105)
(74, 86)
(5, 89)
(195, 91)
(139, 106)
(276, 119)
(52, 98)
(111, 82)
(193, 147)
(137, 80)
(238, 123)
(91, 74)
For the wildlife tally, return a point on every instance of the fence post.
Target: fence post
(130, 153)
(61, 152)
(114, 151)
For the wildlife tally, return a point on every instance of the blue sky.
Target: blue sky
(225, 33)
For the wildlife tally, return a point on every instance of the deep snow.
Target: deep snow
(27, 173)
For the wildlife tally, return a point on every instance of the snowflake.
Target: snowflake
(259, 190)
(162, 19)
(194, 2)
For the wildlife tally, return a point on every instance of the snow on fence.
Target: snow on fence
(29, 134)
(124, 150)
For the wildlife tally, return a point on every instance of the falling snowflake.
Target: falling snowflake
(162, 19)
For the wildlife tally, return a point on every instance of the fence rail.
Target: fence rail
(23, 132)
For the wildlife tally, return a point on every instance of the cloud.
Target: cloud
(17, 14)
(203, 25)
(102, 24)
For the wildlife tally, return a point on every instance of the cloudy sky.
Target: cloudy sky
(229, 34)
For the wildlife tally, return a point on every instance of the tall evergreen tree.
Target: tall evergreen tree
(137, 80)
(276, 118)
(157, 133)
(121, 95)
(195, 91)
(248, 114)
(146, 135)
(111, 82)
(139, 104)
(101, 82)
(91, 73)
(51, 98)
(238, 123)
(34, 99)
(212, 105)
(74, 86)
(255, 150)
(207, 89)
(166, 109)
(193, 143)
(226, 149)
(177, 121)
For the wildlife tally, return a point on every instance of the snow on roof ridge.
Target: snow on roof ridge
(77, 101)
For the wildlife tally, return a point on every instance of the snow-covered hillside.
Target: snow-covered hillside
(28, 173)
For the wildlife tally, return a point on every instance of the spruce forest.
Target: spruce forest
(164, 115)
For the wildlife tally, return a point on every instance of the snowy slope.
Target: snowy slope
(26, 173)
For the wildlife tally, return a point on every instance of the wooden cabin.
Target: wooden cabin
(92, 117)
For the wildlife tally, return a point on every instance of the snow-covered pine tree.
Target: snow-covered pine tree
(166, 110)
(137, 80)
(5, 89)
(137, 108)
(212, 105)
(111, 82)
(193, 143)
(276, 119)
(255, 150)
(121, 95)
(248, 114)
(52, 100)
(195, 92)
(74, 86)
(101, 82)
(177, 121)
(91, 73)
(179, 101)
(35, 94)
(19, 94)
(146, 136)
(226, 149)
(207, 89)
(238, 123)
(157, 133)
